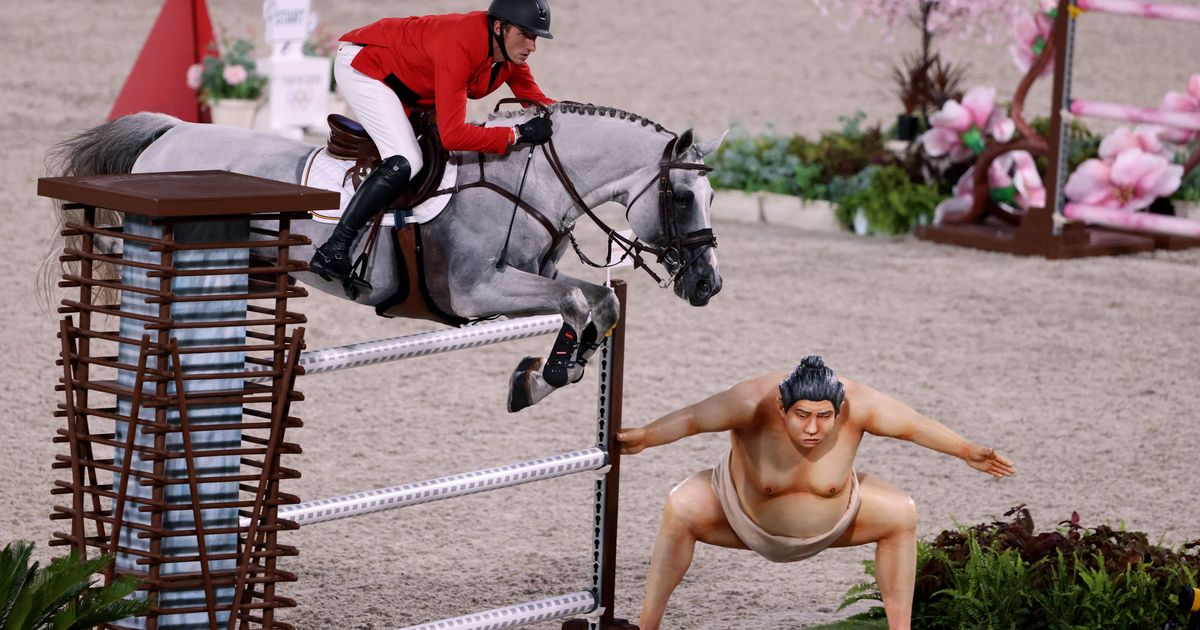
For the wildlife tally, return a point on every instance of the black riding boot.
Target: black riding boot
(332, 261)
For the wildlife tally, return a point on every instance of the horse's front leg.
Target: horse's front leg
(605, 309)
(516, 292)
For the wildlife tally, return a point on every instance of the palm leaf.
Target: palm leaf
(15, 574)
(111, 603)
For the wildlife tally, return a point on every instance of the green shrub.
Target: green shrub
(764, 162)
(1082, 144)
(846, 152)
(795, 165)
(840, 187)
(891, 203)
(60, 596)
(1002, 575)
(1189, 190)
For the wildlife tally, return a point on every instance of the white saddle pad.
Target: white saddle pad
(324, 171)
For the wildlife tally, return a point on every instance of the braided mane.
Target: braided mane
(582, 109)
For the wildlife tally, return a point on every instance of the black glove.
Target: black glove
(536, 131)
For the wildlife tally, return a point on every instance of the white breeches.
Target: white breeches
(377, 109)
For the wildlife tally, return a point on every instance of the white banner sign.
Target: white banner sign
(287, 20)
(299, 91)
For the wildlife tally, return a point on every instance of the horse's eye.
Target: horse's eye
(684, 199)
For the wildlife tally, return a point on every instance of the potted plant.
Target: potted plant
(890, 204)
(911, 78)
(945, 80)
(229, 84)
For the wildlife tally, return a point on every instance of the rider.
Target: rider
(394, 65)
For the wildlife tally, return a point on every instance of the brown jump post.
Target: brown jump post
(183, 420)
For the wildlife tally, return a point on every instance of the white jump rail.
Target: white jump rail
(1138, 8)
(1126, 113)
(1144, 221)
(460, 485)
(608, 361)
(518, 615)
(422, 344)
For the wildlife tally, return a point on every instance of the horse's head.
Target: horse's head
(671, 214)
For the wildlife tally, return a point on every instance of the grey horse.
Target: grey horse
(605, 153)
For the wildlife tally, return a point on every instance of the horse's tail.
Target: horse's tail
(108, 149)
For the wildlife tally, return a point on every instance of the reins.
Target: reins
(670, 253)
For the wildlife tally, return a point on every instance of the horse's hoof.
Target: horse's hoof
(557, 372)
(520, 384)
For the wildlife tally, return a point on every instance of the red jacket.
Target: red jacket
(439, 61)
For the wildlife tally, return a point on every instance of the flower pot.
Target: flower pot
(861, 225)
(234, 112)
(906, 127)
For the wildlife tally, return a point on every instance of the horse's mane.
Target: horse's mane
(582, 109)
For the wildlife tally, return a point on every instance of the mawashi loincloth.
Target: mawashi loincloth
(770, 546)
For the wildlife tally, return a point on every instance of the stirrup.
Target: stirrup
(355, 283)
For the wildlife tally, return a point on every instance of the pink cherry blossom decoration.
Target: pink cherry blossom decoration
(1188, 101)
(1131, 182)
(960, 130)
(1031, 32)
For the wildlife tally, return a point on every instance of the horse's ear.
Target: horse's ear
(709, 147)
(684, 142)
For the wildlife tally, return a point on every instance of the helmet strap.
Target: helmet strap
(499, 37)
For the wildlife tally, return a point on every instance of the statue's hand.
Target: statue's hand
(986, 459)
(633, 441)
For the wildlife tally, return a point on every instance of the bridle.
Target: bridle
(675, 245)
(673, 249)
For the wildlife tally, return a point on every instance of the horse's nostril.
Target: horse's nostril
(703, 288)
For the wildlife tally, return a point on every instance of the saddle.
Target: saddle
(348, 140)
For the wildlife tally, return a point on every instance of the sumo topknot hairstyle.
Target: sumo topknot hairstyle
(811, 380)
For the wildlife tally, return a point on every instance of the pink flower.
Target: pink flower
(194, 73)
(1131, 182)
(1013, 181)
(234, 74)
(1145, 137)
(1031, 33)
(1183, 102)
(960, 130)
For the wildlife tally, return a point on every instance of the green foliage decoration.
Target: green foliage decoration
(1082, 144)
(1189, 189)
(845, 152)
(764, 162)
(60, 596)
(891, 203)
(1002, 575)
(795, 165)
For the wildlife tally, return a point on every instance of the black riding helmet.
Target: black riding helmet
(531, 16)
